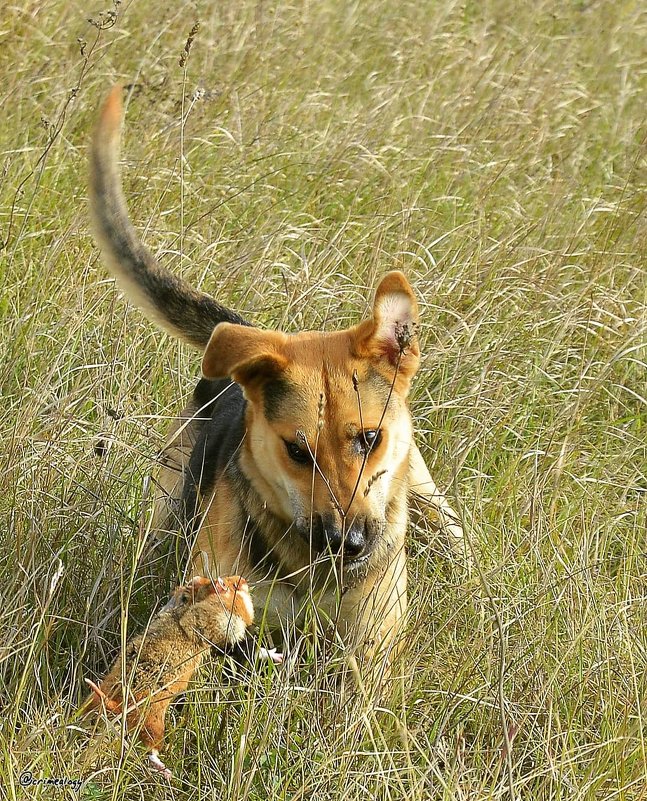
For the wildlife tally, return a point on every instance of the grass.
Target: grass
(496, 153)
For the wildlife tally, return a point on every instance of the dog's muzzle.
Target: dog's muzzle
(351, 540)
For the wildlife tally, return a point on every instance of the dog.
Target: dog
(294, 463)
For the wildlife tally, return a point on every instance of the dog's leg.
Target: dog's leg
(428, 504)
(372, 616)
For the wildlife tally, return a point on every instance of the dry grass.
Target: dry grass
(496, 153)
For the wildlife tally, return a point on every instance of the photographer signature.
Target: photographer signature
(27, 779)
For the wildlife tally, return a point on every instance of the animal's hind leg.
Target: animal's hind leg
(152, 724)
(152, 736)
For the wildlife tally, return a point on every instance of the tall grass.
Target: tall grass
(496, 153)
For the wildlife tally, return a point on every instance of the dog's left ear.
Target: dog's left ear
(390, 339)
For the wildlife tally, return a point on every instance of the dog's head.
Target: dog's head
(328, 427)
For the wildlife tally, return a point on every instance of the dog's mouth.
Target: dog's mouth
(356, 565)
(348, 572)
(342, 562)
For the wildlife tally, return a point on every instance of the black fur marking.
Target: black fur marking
(260, 552)
(207, 391)
(275, 393)
(217, 443)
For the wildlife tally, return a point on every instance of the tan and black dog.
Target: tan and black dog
(295, 460)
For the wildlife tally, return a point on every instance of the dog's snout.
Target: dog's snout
(333, 538)
(328, 534)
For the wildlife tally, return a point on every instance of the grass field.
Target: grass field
(493, 151)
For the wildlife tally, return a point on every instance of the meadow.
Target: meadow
(496, 153)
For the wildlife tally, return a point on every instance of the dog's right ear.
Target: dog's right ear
(250, 356)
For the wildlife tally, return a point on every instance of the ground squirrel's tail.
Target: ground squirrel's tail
(166, 299)
(100, 697)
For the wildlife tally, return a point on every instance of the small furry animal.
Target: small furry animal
(159, 664)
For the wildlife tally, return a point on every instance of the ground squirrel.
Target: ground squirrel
(159, 664)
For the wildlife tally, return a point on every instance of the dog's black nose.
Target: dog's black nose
(351, 542)
(355, 539)
(328, 534)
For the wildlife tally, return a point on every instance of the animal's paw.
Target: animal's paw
(158, 766)
(270, 655)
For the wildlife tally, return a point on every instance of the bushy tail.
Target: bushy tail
(166, 299)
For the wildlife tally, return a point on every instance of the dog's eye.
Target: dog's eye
(369, 439)
(297, 454)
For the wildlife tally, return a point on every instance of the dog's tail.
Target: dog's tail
(166, 299)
